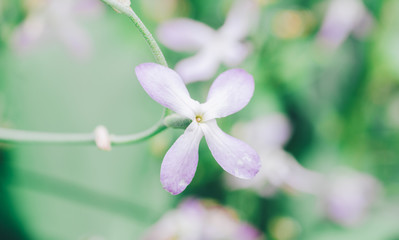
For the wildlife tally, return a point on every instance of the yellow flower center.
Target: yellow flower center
(198, 118)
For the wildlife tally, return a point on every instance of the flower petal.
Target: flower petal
(229, 93)
(200, 67)
(185, 34)
(236, 54)
(180, 162)
(166, 87)
(233, 155)
(240, 19)
(341, 18)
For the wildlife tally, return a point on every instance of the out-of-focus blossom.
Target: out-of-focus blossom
(59, 18)
(347, 195)
(200, 220)
(279, 170)
(229, 93)
(277, 167)
(214, 46)
(267, 135)
(270, 131)
(344, 17)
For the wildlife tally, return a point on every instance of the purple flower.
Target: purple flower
(347, 196)
(199, 220)
(229, 93)
(268, 134)
(344, 17)
(58, 18)
(214, 46)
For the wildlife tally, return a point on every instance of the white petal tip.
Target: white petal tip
(249, 167)
(175, 188)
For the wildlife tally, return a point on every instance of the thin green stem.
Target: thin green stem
(128, 11)
(13, 135)
(21, 136)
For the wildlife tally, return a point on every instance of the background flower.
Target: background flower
(214, 46)
(59, 18)
(344, 17)
(195, 219)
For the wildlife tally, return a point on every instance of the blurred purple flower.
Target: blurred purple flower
(214, 46)
(268, 135)
(277, 167)
(344, 17)
(57, 17)
(201, 220)
(271, 131)
(347, 195)
(229, 93)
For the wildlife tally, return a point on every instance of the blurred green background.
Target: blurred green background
(343, 104)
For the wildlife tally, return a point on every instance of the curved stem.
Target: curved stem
(128, 11)
(138, 137)
(13, 135)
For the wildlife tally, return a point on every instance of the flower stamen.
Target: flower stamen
(198, 118)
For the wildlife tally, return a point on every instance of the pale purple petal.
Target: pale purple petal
(240, 19)
(233, 155)
(267, 132)
(166, 87)
(236, 54)
(347, 195)
(229, 93)
(247, 232)
(199, 220)
(341, 19)
(185, 34)
(180, 162)
(200, 67)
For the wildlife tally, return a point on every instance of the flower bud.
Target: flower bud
(176, 121)
(102, 138)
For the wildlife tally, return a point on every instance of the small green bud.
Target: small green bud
(176, 121)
